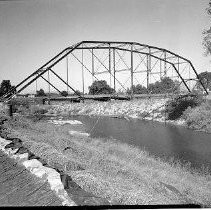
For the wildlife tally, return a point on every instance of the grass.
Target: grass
(116, 171)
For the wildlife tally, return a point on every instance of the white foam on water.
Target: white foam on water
(76, 122)
(62, 122)
(36, 168)
(77, 133)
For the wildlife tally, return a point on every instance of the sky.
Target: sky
(33, 31)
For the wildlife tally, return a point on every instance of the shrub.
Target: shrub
(199, 118)
(40, 92)
(176, 106)
(20, 103)
(40, 111)
(5, 87)
(100, 87)
(64, 93)
(137, 89)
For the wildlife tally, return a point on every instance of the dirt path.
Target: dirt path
(18, 187)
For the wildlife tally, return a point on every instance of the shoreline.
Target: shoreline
(35, 167)
(96, 180)
(179, 122)
(107, 168)
(153, 110)
(61, 184)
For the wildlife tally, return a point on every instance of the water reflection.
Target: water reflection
(163, 141)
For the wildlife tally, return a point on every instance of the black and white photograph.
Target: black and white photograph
(105, 104)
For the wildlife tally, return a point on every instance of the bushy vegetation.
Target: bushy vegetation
(176, 106)
(166, 85)
(64, 93)
(137, 89)
(37, 112)
(77, 93)
(207, 34)
(40, 93)
(100, 87)
(5, 87)
(20, 104)
(199, 118)
(205, 78)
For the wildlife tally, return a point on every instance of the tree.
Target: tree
(207, 34)
(177, 105)
(205, 78)
(40, 93)
(77, 92)
(120, 92)
(137, 89)
(100, 87)
(64, 93)
(5, 87)
(166, 85)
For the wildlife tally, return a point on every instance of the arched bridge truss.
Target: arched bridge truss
(123, 64)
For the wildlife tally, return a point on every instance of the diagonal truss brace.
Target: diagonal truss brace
(111, 45)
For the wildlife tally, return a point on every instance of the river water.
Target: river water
(161, 140)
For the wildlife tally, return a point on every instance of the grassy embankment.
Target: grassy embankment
(118, 172)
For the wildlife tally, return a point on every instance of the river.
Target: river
(158, 139)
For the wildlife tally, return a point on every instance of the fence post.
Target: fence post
(9, 109)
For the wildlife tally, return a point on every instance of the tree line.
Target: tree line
(165, 85)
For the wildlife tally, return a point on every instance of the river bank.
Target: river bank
(111, 170)
(58, 187)
(146, 109)
(197, 118)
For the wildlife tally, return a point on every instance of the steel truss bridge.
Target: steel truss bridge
(121, 64)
